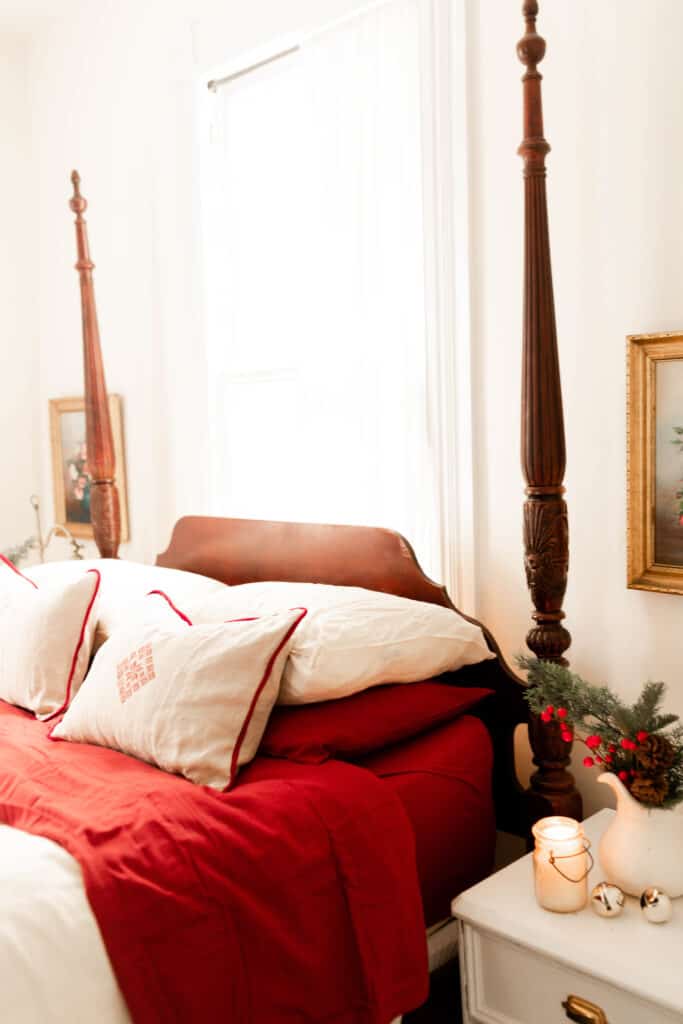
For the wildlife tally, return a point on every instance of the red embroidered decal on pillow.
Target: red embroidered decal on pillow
(135, 671)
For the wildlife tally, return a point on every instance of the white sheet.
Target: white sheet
(54, 968)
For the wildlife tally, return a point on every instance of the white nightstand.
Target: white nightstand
(519, 963)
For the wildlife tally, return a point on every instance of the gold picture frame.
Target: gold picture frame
(655, 462)
(69, 464)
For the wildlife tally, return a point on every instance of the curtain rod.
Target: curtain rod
(215, 83)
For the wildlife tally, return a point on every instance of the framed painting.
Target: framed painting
(70, 473)
(655, 462)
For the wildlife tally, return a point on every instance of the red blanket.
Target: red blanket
(294, 898)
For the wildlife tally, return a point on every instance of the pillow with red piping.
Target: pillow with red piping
(46, 636)
(364, 722)
(193, 700)
(124, 585)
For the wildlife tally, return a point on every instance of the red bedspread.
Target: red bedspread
(293, 898)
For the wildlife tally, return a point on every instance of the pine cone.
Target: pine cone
(650, 789)
(655, 754)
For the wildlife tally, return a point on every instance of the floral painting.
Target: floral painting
(72, 476)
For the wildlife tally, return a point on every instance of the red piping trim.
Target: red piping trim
(259, 689)
(181, 615)
(13, 567)
(77, 650)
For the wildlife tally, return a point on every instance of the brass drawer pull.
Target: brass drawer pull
(581, 1010)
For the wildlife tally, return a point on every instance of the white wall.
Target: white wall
(18, 341)
(113, 95)
(613, 106)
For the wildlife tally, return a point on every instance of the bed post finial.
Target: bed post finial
(104, 497)
(546, 537)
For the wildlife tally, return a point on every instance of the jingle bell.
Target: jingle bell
(656, 906)
(607, 900)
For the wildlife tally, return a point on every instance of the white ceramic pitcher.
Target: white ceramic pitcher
(643, 846)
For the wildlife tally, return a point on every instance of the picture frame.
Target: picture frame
(70, 475)
(655, 462)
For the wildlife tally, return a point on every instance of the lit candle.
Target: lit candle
(560, 864)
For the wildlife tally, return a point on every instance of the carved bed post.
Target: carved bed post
(104, 497)
(546, 537)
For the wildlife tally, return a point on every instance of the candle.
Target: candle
(560, 864)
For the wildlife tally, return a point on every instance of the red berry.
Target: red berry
(598, 759)
(623, 776)
(608, 758)
(561, 712)
(545, 717)
(588, 762)
(567, 736)
(612, 748)
(642, 736)
(628, 744)
(593, 741)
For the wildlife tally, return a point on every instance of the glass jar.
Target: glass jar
(561, 864)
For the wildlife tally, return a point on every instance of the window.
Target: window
(319, 230)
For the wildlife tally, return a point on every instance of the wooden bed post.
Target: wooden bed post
(546, 537)
(104, 497)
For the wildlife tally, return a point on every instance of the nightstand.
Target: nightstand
(520, 964)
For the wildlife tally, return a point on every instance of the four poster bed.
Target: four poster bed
(400, 853)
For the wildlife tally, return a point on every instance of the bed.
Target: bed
(324, 874)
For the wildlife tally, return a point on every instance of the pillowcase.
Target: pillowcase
(124, 585)
(190, 699)
(353, 638)
(46, 636)
(366, 722)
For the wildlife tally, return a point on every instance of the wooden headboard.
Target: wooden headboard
(380, 559)
(247, 550)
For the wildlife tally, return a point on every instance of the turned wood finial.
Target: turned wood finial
(531, 51)
(531, 47)
(104, 497)
(77, 203)
(546, 535)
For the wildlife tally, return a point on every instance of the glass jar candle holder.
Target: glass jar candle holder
(562, 860)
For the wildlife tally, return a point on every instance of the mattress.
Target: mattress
(443, 779)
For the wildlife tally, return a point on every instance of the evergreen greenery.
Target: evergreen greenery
(640, 742)
(18, 554)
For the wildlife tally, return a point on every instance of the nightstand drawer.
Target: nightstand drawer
(506, 983)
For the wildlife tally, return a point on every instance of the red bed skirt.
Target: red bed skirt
(443, 779)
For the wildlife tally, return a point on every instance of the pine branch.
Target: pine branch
(646, 706)
(16, 555)
(620, 729)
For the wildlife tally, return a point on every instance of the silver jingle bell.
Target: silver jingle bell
(656, 906)
(607, 900)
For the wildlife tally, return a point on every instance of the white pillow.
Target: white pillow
(124, 585)
(46, 636)
(194, 700)
(353, 638)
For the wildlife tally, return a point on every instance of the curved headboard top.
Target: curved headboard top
(252, 550)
